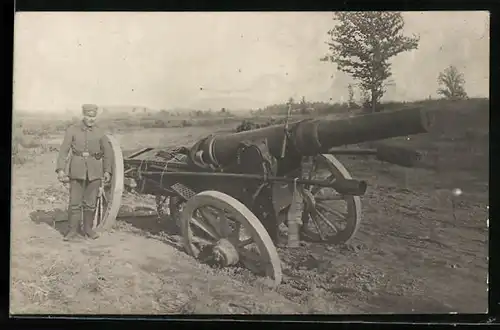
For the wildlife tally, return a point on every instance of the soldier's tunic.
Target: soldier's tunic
(90, 158)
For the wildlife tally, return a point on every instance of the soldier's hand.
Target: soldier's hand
(107, 177)
(62, 177)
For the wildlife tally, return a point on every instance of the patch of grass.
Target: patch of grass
(254, 123)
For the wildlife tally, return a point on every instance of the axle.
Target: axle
(343, 186)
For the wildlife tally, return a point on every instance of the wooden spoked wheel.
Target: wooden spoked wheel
(219, 228)
(329, 217)
(110, 195)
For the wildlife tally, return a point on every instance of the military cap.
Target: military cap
(89, 109)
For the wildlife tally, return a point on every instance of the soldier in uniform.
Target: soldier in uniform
(89, 164)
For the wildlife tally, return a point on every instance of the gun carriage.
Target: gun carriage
(229, 193)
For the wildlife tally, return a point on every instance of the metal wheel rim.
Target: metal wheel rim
(353, 216)
(109, 204)
(244, 216)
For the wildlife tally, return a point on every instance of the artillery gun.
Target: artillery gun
(230, 193)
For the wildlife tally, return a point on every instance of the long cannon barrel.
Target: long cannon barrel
(314, 136)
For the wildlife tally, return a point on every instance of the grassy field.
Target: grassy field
(416, 251)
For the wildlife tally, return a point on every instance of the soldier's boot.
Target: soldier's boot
(88, 223)
(74, 223)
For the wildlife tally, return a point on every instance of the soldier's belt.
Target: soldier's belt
(85, 154)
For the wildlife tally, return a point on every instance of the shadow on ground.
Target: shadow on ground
(150, 225)
(163, 229)
(166, 231)
(56, 218)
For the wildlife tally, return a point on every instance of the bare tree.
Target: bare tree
(362, 44)
(452, 82)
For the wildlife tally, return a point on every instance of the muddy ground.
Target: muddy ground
(418, 250)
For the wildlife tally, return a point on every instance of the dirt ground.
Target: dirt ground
(418, 250)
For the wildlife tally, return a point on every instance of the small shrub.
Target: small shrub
(19, 159)
(19, 138)
(29, 142)
(158, 123)
(186, 123)
(247, 125)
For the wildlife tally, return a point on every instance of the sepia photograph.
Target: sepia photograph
(232, 163)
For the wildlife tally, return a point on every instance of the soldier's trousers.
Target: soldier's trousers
(83, 194)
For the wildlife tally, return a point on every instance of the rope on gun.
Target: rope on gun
(164, 170)
(139, 169)
(160, 203)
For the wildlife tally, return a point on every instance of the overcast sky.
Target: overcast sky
(214, 60)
